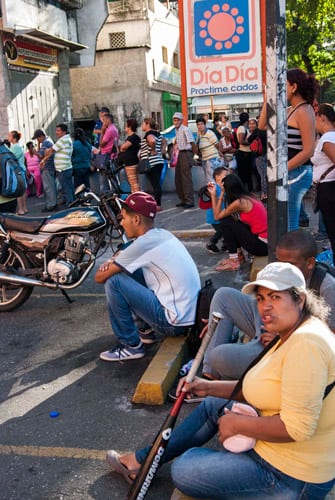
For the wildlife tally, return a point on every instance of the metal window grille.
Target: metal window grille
(165, 55)
(175, 60)
(117, 40)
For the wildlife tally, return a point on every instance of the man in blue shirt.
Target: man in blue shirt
(47, 170)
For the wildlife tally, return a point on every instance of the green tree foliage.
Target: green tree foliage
(310, 36)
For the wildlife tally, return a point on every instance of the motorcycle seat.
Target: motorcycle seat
(29, 225)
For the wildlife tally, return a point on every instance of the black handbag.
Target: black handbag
(143, 166)
(101, 161)
(314, 189)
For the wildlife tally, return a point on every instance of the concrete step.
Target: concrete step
(257, 265)
(158, 378)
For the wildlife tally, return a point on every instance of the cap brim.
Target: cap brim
(123, 202)
(249, 288)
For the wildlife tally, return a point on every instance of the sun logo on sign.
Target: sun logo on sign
(221, 27)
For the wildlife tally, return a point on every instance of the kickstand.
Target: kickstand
(66, 296)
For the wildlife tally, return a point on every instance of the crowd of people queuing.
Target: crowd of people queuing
(54, 169)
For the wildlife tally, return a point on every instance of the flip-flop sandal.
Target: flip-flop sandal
(228, 266)
(113, 458)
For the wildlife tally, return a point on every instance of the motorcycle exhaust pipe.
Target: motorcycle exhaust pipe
(15, 279)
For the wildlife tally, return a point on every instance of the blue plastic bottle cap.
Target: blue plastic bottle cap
(54, 414)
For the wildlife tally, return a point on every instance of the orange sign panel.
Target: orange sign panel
(29, 55)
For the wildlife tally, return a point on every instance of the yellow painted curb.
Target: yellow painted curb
(157, 380)
(53, 452)
(193, 233)
(257, 265)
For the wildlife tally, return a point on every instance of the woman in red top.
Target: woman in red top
(244, 222)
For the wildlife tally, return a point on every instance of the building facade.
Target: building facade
(136, 71)
(41, 40)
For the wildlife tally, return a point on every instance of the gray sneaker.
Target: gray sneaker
(320, 237)
(123, 352)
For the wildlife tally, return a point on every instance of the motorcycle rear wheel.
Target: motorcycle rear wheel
(13, 296)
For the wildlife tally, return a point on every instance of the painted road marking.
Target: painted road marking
(72, 295)
(53, 452)
(18, 406)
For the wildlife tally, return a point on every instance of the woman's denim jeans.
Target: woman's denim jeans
(299, 182)
(128, 296)
(219, 474)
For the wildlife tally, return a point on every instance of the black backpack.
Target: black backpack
(202, 312)
(234, 139)
(319, 272)
(13, 181)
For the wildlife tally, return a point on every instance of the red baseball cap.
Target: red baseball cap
(141, 203)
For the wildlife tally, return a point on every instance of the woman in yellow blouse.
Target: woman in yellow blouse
(290, 452)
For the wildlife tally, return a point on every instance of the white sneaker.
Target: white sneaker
(123, 352)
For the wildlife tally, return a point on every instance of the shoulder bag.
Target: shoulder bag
(314, 189)
(245, 445)
(101, 161)
(144, 166)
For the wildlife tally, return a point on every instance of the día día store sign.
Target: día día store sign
(222, 47)
(30, 55)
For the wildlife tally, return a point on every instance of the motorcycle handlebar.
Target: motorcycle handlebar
(84, 195)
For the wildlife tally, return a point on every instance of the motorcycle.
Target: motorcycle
(59, 251)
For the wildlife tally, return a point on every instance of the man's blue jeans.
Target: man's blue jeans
(219, 474)
(225, 359)
(49, 187)
(126, 297)
(65, 179)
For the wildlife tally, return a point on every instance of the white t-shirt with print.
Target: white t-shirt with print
(169, 271)
(321, 162)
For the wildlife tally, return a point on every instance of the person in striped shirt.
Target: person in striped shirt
(208, 145)
(151, 148)
(62, 151)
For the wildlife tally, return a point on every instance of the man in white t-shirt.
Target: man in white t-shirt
(154, 279)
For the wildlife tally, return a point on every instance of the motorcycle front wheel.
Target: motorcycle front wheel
(12, 295)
